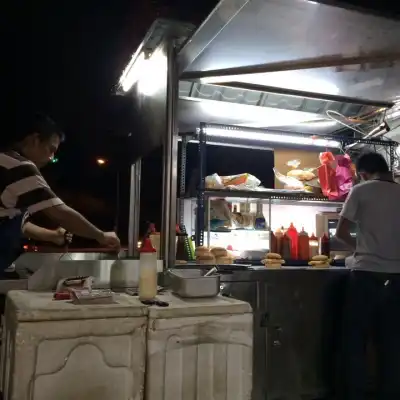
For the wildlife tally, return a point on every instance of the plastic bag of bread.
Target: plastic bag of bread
(241, 181)
(289, 182)
(303, 175)
(214, 181)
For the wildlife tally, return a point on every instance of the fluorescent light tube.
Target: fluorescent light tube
(272, 137)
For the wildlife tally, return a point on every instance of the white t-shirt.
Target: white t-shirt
(375, 207)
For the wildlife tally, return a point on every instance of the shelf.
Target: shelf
(274, 196)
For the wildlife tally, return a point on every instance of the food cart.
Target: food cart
(270, 75)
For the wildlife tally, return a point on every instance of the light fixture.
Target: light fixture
(133, 72)
(148, 73)
(272, 137)
(154, 75)
(101, 161)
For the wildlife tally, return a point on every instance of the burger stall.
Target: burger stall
(289, 79)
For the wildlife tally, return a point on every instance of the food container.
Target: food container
(191, 283)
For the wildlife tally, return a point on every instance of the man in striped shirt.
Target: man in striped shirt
(23, 192)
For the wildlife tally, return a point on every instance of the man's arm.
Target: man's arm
(349, 215)
(29, 191)
(343, 233)
(57, 236)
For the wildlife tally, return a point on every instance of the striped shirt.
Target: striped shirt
(22, 187)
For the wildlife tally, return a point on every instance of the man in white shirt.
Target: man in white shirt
(372, 304)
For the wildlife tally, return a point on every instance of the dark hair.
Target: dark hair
(372, 163)
(38, 123)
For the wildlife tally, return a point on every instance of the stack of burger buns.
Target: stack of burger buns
(204, 256)
(222, 256)
(320, 261)
(273, 260)
(216, 255)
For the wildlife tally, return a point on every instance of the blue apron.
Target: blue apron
(10, 240)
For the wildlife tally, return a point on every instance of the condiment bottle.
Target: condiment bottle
(294, 239)
(313, 241)
(286, 247)
(324, 245)
(278, 236)
(273, 243)
(304, 245)
(147, 271)
(259, 222)
(182, 252)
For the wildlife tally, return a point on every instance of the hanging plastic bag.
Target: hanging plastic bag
(344, 176)
(327, 175)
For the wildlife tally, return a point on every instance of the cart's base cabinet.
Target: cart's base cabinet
(203, 357)
(88, 359)
(296, 316)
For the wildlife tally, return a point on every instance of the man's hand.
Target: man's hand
(110, 239)
(62, 237)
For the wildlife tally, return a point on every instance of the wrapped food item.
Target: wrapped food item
(214, 181)
(288, 181)
(302, 175)
(240, 182)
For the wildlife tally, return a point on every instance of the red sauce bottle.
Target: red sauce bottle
(286, 247)
(304, 245)
(324, 245)
(294, 239)
(313, 242)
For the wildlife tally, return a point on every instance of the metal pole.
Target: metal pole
(335, 60)
(134, 208)
(307, 95)
(117, 206)
(170, 161)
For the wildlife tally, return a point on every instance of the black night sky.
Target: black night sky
(63, 58)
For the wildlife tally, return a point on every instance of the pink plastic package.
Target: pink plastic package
(344, 176)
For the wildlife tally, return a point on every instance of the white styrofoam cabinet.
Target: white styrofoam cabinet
(73, 352)
(199, 350)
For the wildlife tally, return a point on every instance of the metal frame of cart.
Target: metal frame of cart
(241, 56)
(204, 195)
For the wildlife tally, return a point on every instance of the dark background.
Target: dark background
(64, 58)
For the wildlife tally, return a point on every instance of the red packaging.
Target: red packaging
(327, 175)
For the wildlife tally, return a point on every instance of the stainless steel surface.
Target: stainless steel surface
(78, 256)
(134, 208)
(124, 274)
(191, 283)
(273, 113)
(170, 161)
(46, 277)
(272, 31)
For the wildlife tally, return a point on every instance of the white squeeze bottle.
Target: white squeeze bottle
(147, 271)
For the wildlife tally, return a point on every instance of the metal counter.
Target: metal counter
(296, 324)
